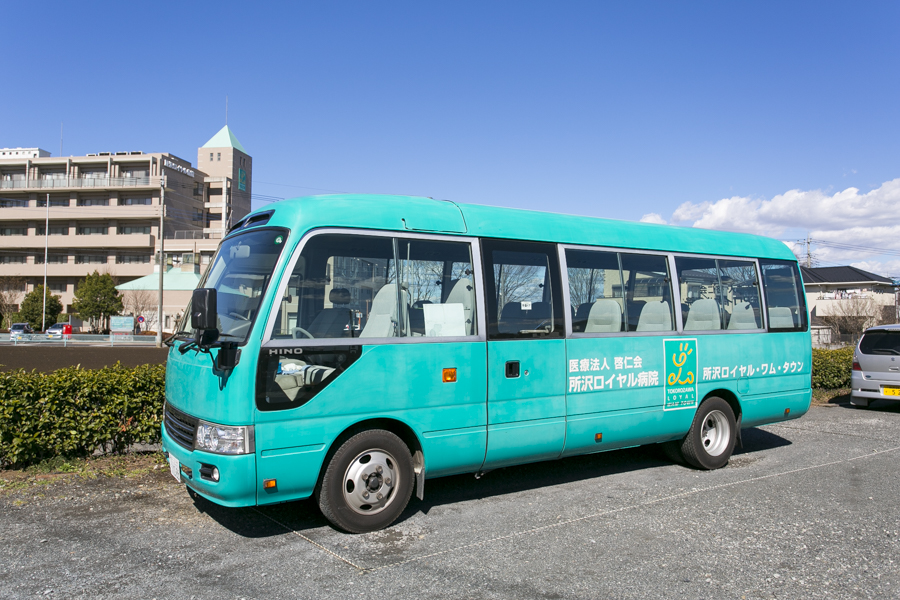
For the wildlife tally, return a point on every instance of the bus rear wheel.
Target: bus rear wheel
(710, 441)
(367, 483)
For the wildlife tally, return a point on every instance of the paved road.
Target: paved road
(809, 509)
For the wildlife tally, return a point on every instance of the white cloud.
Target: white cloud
(870, 221)
(653, 218)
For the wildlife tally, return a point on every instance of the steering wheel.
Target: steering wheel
(298, 330)
(238, 316)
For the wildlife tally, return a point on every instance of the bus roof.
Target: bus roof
(425, 215)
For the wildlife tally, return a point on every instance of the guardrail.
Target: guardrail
(76, 339)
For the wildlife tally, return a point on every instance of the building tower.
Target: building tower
(229, 172)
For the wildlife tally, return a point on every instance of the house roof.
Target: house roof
(837, 275)
(224, 139)
(173, 280)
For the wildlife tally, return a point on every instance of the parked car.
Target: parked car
(55, 332)
(18, 331)
(876, 366)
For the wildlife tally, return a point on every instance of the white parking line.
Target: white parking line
(316, 544)
(578, 519)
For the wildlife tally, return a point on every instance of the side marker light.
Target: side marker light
(269, 483)
(598, 437)
(449, 375)
(787, 411)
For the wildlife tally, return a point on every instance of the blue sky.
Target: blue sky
(626, 110)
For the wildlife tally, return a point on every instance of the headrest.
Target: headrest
(339, 296)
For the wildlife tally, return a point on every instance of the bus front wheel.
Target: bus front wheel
(710, 441)
(368, 482)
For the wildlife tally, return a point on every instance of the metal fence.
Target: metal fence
(77, 339)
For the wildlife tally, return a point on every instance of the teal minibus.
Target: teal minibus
(350, 347)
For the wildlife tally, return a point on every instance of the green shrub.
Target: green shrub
(73, 412)
(11, 318)
(831, 368)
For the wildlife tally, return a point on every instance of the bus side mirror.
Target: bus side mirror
(203, 309)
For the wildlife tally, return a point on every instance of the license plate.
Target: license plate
(175, 467)
(890, 391)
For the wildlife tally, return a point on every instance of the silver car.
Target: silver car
(876, 366)
(20, 331)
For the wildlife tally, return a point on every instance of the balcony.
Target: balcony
(73, 270)
(79, 241)
(96, 183)
(194, 235)
(39, 213)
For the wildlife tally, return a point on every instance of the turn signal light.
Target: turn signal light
(449, 375)
(269, 483)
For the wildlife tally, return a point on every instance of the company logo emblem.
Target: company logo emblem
(681, 373)
(285, 351)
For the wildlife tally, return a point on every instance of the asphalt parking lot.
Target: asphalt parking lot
(808, 509)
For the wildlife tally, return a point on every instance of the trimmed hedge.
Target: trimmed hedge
(831, 368)
(73, 412)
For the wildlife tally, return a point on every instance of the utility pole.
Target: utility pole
(162, 256)
(46, 246)
(808, 254)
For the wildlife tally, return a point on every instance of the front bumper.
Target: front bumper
(237, 473)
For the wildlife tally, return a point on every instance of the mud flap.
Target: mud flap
(419, 469)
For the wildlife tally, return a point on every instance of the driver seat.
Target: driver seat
(330, 322)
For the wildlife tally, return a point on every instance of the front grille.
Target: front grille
(180, 426)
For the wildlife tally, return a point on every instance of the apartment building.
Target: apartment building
(101, 212)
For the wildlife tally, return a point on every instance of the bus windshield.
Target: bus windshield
(240, 274)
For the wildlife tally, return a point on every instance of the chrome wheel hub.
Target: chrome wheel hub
(715, 433)
(370, 481)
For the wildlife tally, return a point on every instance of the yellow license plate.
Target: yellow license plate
(890, 391)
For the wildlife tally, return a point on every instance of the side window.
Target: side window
(648, 292)
(332, 289)
(439, 281)
(718, 294)
(785, 299)
(739, 287)
(596, 291)
(356, 286)
(699, 285)
(522, 284)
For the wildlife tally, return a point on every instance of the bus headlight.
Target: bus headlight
(223, 439)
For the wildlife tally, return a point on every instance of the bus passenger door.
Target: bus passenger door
(526, 407)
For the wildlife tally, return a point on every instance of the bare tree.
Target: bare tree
(517, 283)
(851, 315)
(585, 285)
(139, 302)
(12, 288)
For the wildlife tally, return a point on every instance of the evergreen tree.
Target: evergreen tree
(96, 299)
(33, 304)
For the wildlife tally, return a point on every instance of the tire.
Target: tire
(710, 441)
(367, 483)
